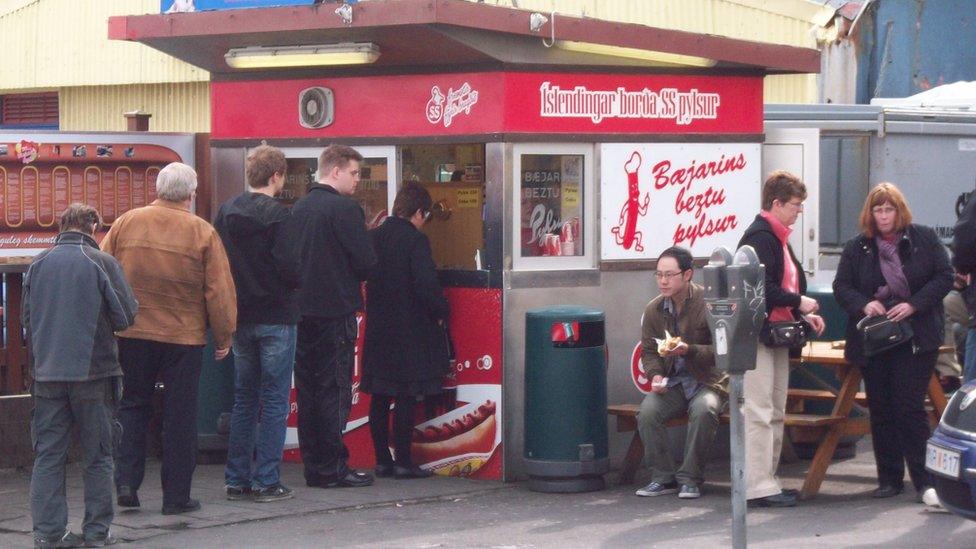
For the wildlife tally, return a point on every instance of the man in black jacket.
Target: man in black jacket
(75, 298)
(265, 276)
(964, 261)
(765, 387)
(327, 230)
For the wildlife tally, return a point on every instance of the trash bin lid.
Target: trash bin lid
(565, 313)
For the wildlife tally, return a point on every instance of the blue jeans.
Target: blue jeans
(969, 368)
(264, 357)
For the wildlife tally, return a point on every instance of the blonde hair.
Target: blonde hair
(885, 193)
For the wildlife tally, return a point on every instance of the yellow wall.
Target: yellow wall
(59, 43)
(63, 45)
(177, 107)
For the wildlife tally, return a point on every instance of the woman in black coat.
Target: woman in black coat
(901, 270)
(405, 355)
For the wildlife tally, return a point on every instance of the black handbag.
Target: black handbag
(880, 333)
(790, 333)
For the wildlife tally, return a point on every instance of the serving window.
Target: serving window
(554, 208)
(454, 175)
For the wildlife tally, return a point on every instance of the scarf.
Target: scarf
(897, 285)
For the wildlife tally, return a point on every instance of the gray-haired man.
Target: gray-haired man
(75, 298)
(178, 269)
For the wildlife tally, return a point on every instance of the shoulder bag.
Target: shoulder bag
(880, 333)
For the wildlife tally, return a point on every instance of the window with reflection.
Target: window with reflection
(551, 205)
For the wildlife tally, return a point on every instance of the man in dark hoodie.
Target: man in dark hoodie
(250, 227)
(765, 387)
(75, 298)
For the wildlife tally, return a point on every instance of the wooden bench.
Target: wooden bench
(626, 415)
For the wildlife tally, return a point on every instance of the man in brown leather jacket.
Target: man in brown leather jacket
(684, 378)
(179, 272)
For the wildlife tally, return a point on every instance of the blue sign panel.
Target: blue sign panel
(179, 6)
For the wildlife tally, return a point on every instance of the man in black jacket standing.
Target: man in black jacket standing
(766, 386)
(964, 262)
(75, 298)
(327, 230)
(251, 228)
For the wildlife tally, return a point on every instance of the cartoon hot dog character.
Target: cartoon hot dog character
(459, 446)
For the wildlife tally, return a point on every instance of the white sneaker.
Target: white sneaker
(657, 489)
(689, 491)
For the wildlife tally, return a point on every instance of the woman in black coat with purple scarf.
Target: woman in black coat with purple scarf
(405, 356)
(901, 270)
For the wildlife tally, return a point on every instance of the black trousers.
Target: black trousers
(323, 380)
(178, 367)
(896, 383)
(379, 427)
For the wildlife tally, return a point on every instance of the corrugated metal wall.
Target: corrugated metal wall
(176, 107)
(58, 43)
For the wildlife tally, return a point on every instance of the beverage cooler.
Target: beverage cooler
(559, 168)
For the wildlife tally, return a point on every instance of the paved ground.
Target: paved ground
(443, 512)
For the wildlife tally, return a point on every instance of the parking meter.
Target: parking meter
(735, 303)
(736, 306)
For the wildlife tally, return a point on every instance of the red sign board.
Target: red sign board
(39, 180)
(496, 102)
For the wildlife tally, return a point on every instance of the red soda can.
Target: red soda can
(552, 245)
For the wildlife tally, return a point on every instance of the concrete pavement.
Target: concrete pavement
(450, 512)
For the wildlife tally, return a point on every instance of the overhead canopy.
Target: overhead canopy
(452, 33)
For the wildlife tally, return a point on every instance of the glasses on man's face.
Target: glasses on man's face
(664, 275)
(796, 204)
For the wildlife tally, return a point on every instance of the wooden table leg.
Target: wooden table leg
(632, 460)
(825, 451)
(937, 396)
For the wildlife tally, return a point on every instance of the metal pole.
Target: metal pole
(738, 450)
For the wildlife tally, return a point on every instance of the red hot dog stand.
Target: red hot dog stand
(562, 159)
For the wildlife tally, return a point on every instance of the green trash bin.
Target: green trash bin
(814, 376)
(215, 398)
(565, 399)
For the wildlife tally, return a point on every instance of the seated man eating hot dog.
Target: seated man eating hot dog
(678, 356)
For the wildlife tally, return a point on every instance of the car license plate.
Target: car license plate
(942, 461)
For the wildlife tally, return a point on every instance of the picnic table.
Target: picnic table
(838, 423)
(830, 354)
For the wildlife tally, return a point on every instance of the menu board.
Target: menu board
(38, 181)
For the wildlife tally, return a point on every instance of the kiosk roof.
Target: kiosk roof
(446, 33)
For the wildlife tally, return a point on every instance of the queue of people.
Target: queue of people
(282, 289)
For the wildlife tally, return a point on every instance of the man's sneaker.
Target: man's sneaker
(237, 493)
(657, 489)
(67, 539)
(272, 493)
(689, 491)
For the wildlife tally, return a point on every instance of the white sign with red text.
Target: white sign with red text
(695, 195)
